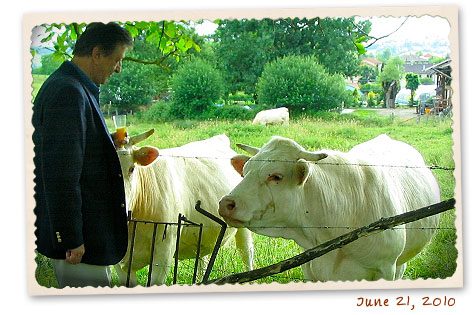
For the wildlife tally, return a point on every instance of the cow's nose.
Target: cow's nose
(226, 206)
(231, 204)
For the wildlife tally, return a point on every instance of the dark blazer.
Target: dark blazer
(79, 191)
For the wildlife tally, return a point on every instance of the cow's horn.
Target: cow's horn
(248, 148)
(141, 137)
(312, 156)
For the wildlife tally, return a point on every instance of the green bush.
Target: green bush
(372, 100)
(158, 112)
(241, 97)
(196, 86)
(299, 83)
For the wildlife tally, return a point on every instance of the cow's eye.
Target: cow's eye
(275, 178)
(131, 169)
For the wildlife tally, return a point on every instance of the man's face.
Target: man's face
(107, 65)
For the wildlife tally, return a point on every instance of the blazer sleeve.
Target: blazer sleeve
(63, 144)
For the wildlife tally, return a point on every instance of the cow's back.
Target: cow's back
(183, 175)
(411, 185)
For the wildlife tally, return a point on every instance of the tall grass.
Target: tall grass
(433, 138)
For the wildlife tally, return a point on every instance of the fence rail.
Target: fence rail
(308, 255)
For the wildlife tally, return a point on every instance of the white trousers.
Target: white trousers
(80, 275)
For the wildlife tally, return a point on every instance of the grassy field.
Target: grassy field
(433, 138)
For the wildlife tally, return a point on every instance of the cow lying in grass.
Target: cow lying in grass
(291, 193)
(161, 184)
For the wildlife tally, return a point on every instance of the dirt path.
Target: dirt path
(398, 112)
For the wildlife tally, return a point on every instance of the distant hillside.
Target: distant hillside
(437, 47)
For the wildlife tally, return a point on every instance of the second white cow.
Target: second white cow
(276, 116)
(292, 193)
(161, 184)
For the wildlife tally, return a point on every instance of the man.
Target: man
(80, 200)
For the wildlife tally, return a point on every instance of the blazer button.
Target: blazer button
(120, 175)
(122, 205)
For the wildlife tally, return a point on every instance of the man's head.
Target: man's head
(100, 49)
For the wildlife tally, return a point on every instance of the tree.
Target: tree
(169, 37)
(412, 83)
(368, 74)
(389, 79)
(298, 82)
(385, 55)
(137, 84)
(243, 47)
(48, 65)
(197, 85)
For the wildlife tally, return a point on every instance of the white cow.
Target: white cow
(285, 186)
(159, 185)
(274, 116)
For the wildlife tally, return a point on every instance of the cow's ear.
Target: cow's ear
(238, 163)
(303, 171)
(145, 155)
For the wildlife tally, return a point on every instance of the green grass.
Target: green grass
(38, 80)
(432, 138)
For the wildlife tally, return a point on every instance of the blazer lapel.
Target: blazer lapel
(93, 100)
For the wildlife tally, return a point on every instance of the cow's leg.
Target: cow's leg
(400, 271)
(245, 245)
(122, 273)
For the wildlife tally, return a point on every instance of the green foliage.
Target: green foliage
(436, 60)
(368, 74)
(389, 78)
(385, 55)
(300, 82)
(49, 64)
(243, 47)
(372, 101)
(158, 112)
(412, 83)
(169, 37)
(137, 84)
(427, 81)
(197, 85)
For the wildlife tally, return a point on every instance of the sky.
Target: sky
(417, 29)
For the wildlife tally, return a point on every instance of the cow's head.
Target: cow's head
(271, 187)
(131, 156)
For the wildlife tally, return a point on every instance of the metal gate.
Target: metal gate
(181, 222)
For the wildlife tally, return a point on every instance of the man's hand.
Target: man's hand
(74, 256)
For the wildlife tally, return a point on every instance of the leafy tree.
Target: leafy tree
(412, 83)
(244, 47)
(137, 84)
(435, 60)
(197, 85)
(389, 79)
(368, 74)
(385, 55)
(298, 82)
(170, 38)
(48, 65)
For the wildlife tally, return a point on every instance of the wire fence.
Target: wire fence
(218, 269)
(431, 167)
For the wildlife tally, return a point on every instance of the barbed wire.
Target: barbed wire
(301, 227)
(432, 167)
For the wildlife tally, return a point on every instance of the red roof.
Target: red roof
(372, 61)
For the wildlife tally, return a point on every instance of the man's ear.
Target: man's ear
(303, 171)
(145, 155)
(96, 52)
(238, 163)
